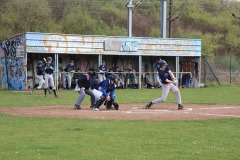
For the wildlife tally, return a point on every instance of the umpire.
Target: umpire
(86, 84)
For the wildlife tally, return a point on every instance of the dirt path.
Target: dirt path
(132, 112)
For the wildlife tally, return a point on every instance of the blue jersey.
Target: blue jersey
(107, 87)
(40, 70)
(164, 74)
(49, 68)
(69, 68)
(103, 68)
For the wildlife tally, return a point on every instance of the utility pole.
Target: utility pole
(170, 18)
(130, 7)
(163, 18)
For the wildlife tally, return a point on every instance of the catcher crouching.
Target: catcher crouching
(108, 95)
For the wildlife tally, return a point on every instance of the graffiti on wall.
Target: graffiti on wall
(13, 67)
(77, 44)
(128, 46)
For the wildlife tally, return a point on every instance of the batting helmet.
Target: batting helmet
(163, 63)
(49, 58)
(39, 63)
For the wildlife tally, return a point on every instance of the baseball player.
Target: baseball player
(130, 78)
(157, 67)
(167, 86)
(107, 89)
(120, 75)
(70, 69)
(40, 76)
(49, 76)
(103, 70)
(85, 84)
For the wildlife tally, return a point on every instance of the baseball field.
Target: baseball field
(34, 127)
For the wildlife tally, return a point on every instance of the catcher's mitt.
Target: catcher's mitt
(116, 106)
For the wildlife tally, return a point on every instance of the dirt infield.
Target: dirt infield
(131, 112)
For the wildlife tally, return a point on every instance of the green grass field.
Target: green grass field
(30, 138)
(209, 95)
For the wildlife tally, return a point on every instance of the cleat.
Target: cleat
(45, 96)
(180, 106)
(77, 107)
(96, 109)
(56, 96)
(30, 91)
(148, 105)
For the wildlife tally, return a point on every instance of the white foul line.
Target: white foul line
(135, 110)
(148, 111)
(218, 108)
(220, 115)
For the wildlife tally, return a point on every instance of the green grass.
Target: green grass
(27, 138)
(209, 95)
(54, 138)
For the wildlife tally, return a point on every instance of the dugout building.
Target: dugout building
(19, 56)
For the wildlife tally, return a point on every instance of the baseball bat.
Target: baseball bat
(44, 59)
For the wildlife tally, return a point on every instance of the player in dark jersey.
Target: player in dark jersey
(49, 76)
(85, 84)
(168, 84)
(40, 71)
(69, 70)
(103, 70)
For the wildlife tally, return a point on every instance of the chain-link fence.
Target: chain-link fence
(221, 69)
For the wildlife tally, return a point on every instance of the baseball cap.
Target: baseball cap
(71, 61)
(103, 61)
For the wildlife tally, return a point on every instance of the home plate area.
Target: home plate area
(136, 111)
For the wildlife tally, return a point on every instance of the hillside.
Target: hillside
(210, 20)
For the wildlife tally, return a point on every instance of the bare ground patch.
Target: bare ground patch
(136, 111)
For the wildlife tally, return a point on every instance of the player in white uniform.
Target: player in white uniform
(49, 76)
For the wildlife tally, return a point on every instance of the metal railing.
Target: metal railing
(150, 75)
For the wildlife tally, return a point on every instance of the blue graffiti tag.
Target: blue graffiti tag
(128, 46)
